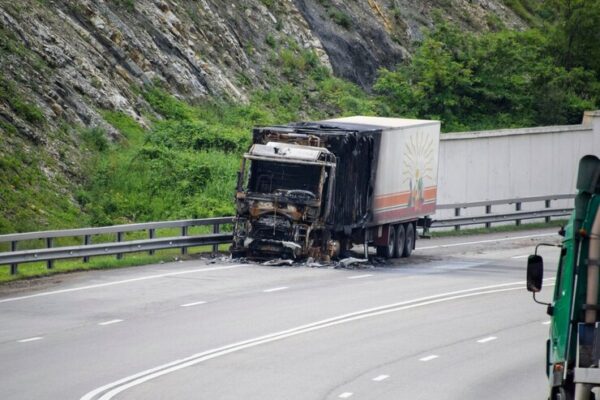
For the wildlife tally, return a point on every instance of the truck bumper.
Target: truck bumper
(269, 248)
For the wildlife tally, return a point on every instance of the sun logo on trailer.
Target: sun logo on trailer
(418, 167)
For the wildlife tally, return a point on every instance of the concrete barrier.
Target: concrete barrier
(513, 163)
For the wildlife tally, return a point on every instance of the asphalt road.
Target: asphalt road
(452, 322)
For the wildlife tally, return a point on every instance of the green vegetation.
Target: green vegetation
(23, 108)
(185, 164)
(337, 15)
(29, 201)
(497, 79)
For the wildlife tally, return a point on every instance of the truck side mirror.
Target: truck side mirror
(535, 273)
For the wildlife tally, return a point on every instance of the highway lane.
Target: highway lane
(101, 334)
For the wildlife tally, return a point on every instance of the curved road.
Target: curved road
(453, 322)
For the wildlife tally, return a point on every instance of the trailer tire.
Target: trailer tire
(400, 240)
(388, 251)
(409, 243)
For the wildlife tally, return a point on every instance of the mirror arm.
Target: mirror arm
(539, 302)
(546, 244)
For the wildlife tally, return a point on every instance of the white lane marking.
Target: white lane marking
(100, 285)
(487, 339)
(110, 390)
(112, 321)
(486, 241)
(31, 339)
(546, 323)
(345, 395)
(276, 289)
(524, 256)
(381, 378)
(360, 276)
(428, 358)
(196, 303)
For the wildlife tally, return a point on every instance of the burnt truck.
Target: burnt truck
(313, 189)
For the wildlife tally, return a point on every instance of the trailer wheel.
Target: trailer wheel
(410, 240)
(400, 240)
(388, 251)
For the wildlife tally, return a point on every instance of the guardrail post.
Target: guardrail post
(184, 232)
(14, 268)
(457, 214)
(151, 235)
(87, 240)
(547, 206)
(518, 208)
(49, 263)
(216, 229)
(488, 210)
(119, 239)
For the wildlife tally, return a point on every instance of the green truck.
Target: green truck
(573, 347)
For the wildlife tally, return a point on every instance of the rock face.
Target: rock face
(79, 56)
(64, 63)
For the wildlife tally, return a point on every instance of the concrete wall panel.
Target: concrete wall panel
(513, 163)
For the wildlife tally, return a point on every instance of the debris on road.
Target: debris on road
(278, 262)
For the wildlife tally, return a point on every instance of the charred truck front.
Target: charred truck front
(311, 189)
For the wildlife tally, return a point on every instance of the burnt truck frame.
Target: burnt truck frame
(312, 189)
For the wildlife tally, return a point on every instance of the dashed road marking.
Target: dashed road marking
(546, 323)
(345, 395)
(31, 339)
(428, 358)
(487, 339)
(524, 256)
(360, 276)
(112, 321)
(196, 303)
(277, 289)
(381, 378)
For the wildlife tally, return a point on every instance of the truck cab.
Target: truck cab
(573, 346)
(282, 199)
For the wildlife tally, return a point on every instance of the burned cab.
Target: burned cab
(282, 195)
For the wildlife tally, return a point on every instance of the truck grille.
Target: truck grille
(272, 226)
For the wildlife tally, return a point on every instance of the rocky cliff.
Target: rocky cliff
(63, 63)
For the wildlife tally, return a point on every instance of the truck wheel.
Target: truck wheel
(400, 240)
(410, 240)
(560, 394)
(388, 251)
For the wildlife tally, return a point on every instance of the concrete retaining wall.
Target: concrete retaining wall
(513, 163)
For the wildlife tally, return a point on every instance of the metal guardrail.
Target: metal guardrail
(184, 240)
(118, 247)
(488, 217)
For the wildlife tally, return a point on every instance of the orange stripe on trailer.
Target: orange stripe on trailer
(430, 193)
(394, 215)
(395, 199)
(402, 198)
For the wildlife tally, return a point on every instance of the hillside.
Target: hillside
(83, 82)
